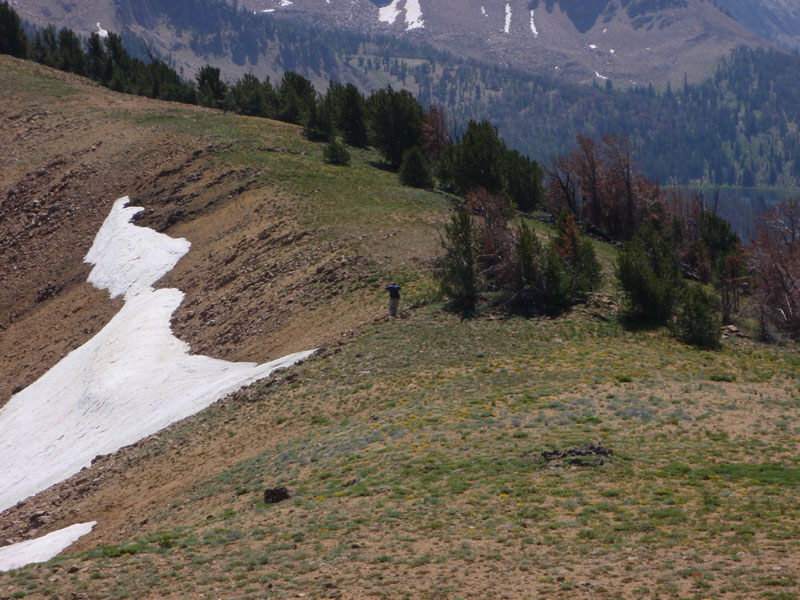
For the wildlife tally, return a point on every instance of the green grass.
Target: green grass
(413, 449)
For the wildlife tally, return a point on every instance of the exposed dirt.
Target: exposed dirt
(251, 277)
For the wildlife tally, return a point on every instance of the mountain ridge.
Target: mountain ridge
(633, 42)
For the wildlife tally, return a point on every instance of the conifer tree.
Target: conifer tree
(415, 170)
(13, 40)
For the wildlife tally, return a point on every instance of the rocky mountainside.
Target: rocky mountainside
(775, 20)
(627, 41)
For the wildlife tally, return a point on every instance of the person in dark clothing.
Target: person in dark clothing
(394, 297)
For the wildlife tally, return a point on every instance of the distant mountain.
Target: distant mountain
(775, 20)
(632, 42)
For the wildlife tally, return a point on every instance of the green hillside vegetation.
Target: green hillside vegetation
(414, 449)
(738, 128)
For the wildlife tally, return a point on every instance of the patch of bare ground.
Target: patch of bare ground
(257, 284)
(414, 449)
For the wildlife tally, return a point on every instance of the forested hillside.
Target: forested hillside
(739, 128)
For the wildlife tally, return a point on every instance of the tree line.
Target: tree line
(679, 263)
(411, 139)
(739, 127)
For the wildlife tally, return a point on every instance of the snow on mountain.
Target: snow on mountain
(413, 13)
(43, 548)
(688, 36)
(132, 379)
(390, 12)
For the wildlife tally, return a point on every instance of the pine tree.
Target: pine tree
(13, 40)
(415, 170)
(395, 120)
(211, 89)
(352, 123)
(457, 274)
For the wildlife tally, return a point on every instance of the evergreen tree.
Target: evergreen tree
(650, 276)
(697, 322)
(457, 274)
(13, 40)
(96, 58)
(351, 118)
(319, 124)
(48, 48)
(395, 120)
(70, 52)
(248, 97)
(479, 159)
(415, 170)
(336, 154)
(523, 181)
(211, 89)
(296, 98)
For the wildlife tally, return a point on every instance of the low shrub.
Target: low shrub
(336, 154)
(650, 276)
(415, 170)
(697, 321)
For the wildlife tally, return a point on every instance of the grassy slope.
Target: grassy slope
(412, 446)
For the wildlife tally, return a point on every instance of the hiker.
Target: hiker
(394, 297)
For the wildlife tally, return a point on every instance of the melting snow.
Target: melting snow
(132, 379)
(600, 76)
(612, 51)
(508, 17)
(390, 12)
(483, 12)
(101, 32)
(413, 15)
(285, 3)
(533, 25)
(593, 46)
(41, 549)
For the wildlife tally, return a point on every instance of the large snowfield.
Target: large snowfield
(132, 379)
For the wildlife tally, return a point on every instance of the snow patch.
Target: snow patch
(285, 3)
(413, 15)
(390, 12)
(508, 18)
(612, 51)
(103, 33)
(533, 24)
(128, 259)
(483, 12)
(132, 379)
(42, 549)
(593, 46)
(596, 74)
